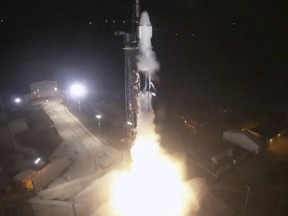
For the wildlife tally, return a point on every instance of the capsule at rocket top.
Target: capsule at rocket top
(145, 28)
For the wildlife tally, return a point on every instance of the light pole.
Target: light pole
(38, 93)
(77, 90)
(99, 120)
(2, 108)
(37, 161)
(66, 92)
(17, 100)
(79, 104)
(9, 131)
(246, 201)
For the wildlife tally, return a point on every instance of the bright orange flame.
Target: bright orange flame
(154, 185)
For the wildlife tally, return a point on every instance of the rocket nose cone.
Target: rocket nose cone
(144, 19)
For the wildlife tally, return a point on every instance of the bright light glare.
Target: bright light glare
(55, 89)
(98, 116)
(153, 186)
(37, 160)
(77, 90)
(17, 100)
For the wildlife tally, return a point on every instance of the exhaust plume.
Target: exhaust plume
(154, 184)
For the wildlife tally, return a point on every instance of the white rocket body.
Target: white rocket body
(145, 32)
(147, 62)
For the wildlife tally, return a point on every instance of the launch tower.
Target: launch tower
(132, 77)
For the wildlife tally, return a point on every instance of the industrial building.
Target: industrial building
(45, 88)
(42, 89)
(245, 140)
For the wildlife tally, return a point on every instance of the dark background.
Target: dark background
(209, 50)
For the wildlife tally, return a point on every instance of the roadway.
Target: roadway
(76, 135)
(86, 151)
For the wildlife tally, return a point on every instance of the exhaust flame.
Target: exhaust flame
(154, 184)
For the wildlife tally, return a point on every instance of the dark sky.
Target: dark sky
(208, 49)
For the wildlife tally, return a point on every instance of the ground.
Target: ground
(195, 143)
(198, 140)
(40, 137)
(279, 147)
(108, 133)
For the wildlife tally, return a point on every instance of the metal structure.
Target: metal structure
(132, 76)
(246, 200)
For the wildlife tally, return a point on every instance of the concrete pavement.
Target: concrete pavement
(90, 158)
(78, 137)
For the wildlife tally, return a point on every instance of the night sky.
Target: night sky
(208, 50)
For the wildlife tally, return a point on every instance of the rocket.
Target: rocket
(140, 66)
(147, 62)
(145, 31)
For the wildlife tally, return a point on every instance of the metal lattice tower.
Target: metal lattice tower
(132, 77)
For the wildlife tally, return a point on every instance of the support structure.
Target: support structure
(132, 77)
